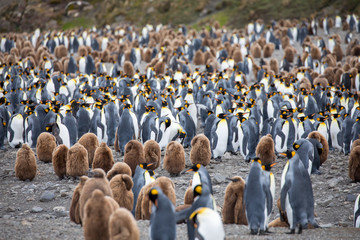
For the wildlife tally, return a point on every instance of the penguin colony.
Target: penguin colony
(304, 107)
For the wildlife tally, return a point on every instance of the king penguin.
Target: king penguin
(162, 219)
(219, 136)
(258, 199)
(141, 178)
(125, 130)
(32, 129)
(296, 195)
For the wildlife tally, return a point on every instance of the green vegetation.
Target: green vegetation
(194, 13)
(233, 13)
(78, 22)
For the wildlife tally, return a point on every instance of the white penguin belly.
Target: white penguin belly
(222, 135)
(289, 212)
(323, 130)
(334, 130)
(240, 140)
(278, 143)
(64, 134)
(193, 113)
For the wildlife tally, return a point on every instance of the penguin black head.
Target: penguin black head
(303, 118)
(267, 167)
(222, 115)
(151, 172)
(127, 105)
(197, 190)
(289, 154)
(153, 195)
(256, 159)
(145, 165)
(194, 168)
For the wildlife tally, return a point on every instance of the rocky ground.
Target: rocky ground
(40, 209)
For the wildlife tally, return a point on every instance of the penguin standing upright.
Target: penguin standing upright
(32, 129)
(280, 133)
(258, 199)
(186, 120)
(141, 178)
(189, 98)
(346, 127)
(335, 132)
(83, 120)
(98, 124)
(70, 122)
(125, 130)
(296, 195)
(162, 220)
(219, 136)
(233, 210)
(112, 120)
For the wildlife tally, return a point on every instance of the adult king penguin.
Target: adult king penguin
(296, 195)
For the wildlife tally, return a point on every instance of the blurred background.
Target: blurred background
(27, 15)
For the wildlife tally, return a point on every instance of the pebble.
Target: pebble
(350, 198)
(6, 217)
(10, 209)
(36, 210)
(342, 224)
(63, 193)
(25, 223)
(328, 225)
(47, 196)
(333, 182)
(217, 179)
(29, 199)
(60, 211)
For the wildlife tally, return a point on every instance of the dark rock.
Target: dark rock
(350, 198)
(47, 196)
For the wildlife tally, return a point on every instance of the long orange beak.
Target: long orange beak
(274, 163)
(283, 154)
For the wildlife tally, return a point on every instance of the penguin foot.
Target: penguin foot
(263, 232)
(2, 148)
(234, 153)
(253, 231)
(267, 230)
(292, 231)
(218, 159)
(300, 229)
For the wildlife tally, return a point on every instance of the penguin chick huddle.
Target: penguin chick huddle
(90, 86)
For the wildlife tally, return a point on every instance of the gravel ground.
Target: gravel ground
(23, 215)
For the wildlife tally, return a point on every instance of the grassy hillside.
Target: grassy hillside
(26, 15)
